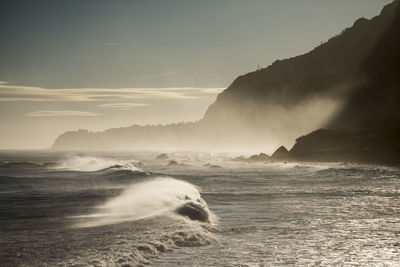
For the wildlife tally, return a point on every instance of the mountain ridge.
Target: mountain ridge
(273, 105)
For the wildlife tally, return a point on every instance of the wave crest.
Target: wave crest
(161, 195)
(91, 164)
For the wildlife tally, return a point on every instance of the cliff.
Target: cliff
(346, 146)
(368, 127)
(350, 82)
(375, 104)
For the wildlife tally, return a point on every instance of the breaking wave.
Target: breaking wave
(91, 164)
(133, 214)
(154, 197)
(165, 214)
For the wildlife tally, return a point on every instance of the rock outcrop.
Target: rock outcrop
(172, 163)
(162, 156)
(262, 157)
(346, 146)
(281, 154)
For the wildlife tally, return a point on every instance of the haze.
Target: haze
(66, 65)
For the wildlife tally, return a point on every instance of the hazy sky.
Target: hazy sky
(97, 64)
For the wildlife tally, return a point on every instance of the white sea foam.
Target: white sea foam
(161, 195)
(90, 164)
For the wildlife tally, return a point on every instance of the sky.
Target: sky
(99, 64)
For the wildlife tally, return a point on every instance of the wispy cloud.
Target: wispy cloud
(38, 94)
(211, 90)
(124, 106)
(54, 113)
(157, 75)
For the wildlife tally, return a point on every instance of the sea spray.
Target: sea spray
(90, 164)
(154, 197)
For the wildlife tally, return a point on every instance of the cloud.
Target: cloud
(211, 90)
(54, 113)
(123, 106)
(38, 94)
(157, 75)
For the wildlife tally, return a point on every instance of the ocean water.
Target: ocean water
(129, 209)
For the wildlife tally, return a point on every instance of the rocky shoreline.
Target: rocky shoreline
(338, 146)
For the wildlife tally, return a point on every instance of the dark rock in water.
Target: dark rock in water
(281, 153)
(262, 157)
(162, 156)
(348, 146)
(215, 167)
(172, 163)
(211, 166)
(241, 158)
(194, 212)
(328, 145)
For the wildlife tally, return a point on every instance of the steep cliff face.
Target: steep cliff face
(333, 70)
(350, 82)
(375, 104)
(298, 95)
(368, 127)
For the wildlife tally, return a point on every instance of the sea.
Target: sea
(194, 209)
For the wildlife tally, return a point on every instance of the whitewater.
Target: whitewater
(131, 209)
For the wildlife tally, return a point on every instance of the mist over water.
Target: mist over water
(259, 213)
(254, 127)
(175, 183)
(89, 203)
